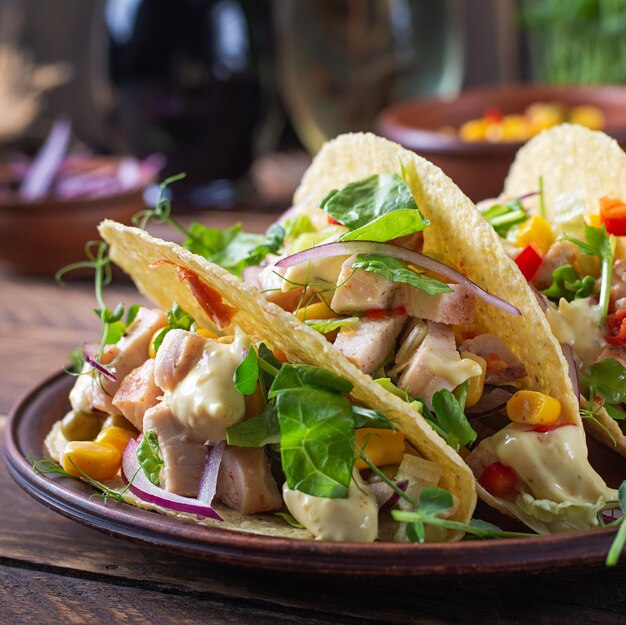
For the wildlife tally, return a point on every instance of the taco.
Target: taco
(570, 243)
(385, 256)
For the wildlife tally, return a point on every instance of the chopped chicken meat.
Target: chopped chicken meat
(137, 393)
(502, 366)
(449, 308)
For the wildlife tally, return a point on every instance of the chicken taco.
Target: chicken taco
(568, 237)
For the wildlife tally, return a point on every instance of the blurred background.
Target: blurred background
(100, 98)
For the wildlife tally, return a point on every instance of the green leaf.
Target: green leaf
(77, 360)
(274, 238)
(297, 225)
(388, 385)
(566, 283)
(389, 226)
(149, 457)
(317, 441)
(247, 373)
(452, 419)
(620, 538)
(369, 418)
(324, 326)
(434, 501)
(307, 376)
(131, 313)
(289, 519)
(504, 216)
(177, 319)
(607, 378)
(615, 413)
(395, 270)
(363, 202)
(113, 332)
(257, 431)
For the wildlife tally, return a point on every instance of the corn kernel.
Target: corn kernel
(477, 382)
(594, 220)
(320, 310)
(535, 230)
(515, 128)
(116, 436)
(151, 348)
(473, 130)
(381, 446)
(588, 116)
(98, 461)
(534, 408)
(207, 334)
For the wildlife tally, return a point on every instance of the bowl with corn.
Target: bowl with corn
(475, 136)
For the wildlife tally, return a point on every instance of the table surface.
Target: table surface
(55, 570)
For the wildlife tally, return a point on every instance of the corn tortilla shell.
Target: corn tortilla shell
(134, 251)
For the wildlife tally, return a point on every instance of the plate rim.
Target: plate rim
(270, 553)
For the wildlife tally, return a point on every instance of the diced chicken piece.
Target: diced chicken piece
(418, 378)
(361, 290)
(271, 285)
(132, 351)
(560, 253)
(368, 342)
(178, 353)
(183, 458)
(618, 285)
(613, 351)
(245, 482)
(502, 366)
(449, 308)
(137, 393)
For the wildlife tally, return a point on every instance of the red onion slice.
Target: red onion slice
(146, 490)
(39, 176)
(572, 369)
(90, 359)
(385, 496)
(208, 479)
(348, 248)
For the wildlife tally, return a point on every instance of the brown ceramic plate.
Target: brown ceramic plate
(33, 416)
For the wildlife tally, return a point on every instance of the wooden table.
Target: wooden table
(53, 570)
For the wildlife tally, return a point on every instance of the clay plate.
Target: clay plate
(33, 416)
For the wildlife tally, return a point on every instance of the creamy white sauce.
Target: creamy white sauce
(321, 270)
(82, 393)
(577, 324)
(449, 365)
(353, 519)
(206, 401)
(553, 465)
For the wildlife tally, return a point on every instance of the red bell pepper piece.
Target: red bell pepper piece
(529, 260)
(613, 216)
(616, 324)
(499, 480)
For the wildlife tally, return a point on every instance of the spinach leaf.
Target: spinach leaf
(568, 284)
(504, 216)
(451, 419)
(297, 225)
(395, 270)
(308, 377)
(149, 457)
(607, 378)
(247, 373)
(364, 207)
(388, 385)
(258, 431)
(620, 538)
(369, 418)
(317, 441)
(324, 326)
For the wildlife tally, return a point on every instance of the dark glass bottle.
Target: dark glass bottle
(188, 86)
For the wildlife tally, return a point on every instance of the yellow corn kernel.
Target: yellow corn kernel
(381, 446)
(207, 334)
(116, 436)
(151, 349)
(542, 116)
(534, 408)
(535, 230)
(473, 130)
(320, 310)
(594, 220)
(477, 382)
(254, 403)
(515, 128)
(588, 116)
(98, 461)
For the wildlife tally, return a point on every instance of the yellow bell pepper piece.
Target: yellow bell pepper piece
(254, 403)
(594, 220)
(534, 408)
(98, 461)
(381, 447)
(535, 230)
(116, 436)
(477, 382)
(320, 310)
